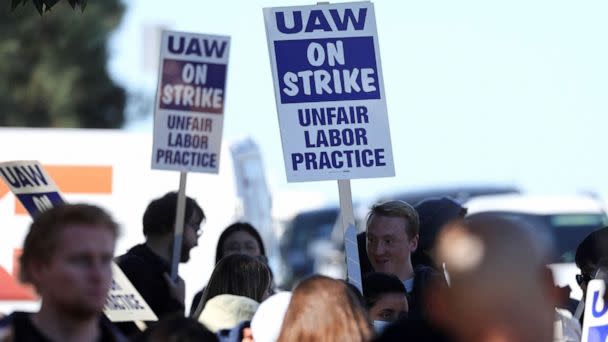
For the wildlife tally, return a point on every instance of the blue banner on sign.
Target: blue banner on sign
(192, 86)
(318, 70)
(39, 202)
(598, 334)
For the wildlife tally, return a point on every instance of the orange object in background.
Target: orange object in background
(10, 288)
(3, 189)
(74, 180)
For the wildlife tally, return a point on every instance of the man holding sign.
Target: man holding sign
(148, 265)
(67, 257)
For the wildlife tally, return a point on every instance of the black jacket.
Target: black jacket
(18, 327)
(145, 270)
(424, 277)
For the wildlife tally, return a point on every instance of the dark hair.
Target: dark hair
(177, 328)
(434, 213)
(159, 217)
(41, 240)
(239, 275)
(324, 309)
(377, 284)
(233, 228)
(592, 250)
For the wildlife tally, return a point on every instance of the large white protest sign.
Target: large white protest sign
(595, 324)
(37, 191)
(329, 91)
(189, 112)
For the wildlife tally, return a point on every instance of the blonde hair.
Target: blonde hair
(397, 209)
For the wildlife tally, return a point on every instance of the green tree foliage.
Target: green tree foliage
(46, 5)
(53, 70)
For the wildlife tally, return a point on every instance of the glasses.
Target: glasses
(196, 227)
(582, 278)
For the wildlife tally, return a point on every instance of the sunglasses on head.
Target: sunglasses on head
(583, 278)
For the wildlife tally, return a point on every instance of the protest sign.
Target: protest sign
(595, 324)
(353, 266)
(189, 111)
(31, 184)
(37, 192)
(329, 91)
(124, 303)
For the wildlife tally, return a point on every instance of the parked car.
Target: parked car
(304, 235)
(460, 194)
(566, 220)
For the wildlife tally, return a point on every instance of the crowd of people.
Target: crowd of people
(430, 273)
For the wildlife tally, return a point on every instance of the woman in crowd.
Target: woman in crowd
(237, 238)
(385, 299)
(239, 275)
(324, 309)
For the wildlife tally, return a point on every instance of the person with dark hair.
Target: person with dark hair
(237, 238)
(434, 213)
(385, 299)
(591, 257)
(324, 309)
(67, 257)
(177, 328)
(238, 275)
(591, 254)
(148, 265)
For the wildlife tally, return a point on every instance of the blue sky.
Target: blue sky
(477, 91)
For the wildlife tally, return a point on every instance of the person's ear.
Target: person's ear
(35, 271)
(413, 243)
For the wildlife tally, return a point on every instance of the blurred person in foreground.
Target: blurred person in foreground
(67, 257)
(237, 238)
(392, 236)
(324, 309)
(385, 299)
(500, 289)
(148, 265)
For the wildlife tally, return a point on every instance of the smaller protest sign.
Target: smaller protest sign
(190, 98)
(595, 324)
(31, 184)
(124, 303)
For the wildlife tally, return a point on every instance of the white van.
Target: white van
(566, 219)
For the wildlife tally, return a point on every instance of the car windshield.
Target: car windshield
(567, 230)
(310, 226)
